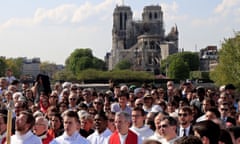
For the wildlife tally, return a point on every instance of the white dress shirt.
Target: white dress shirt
(143, 132)
(76, 138)
(28, 138)
(101, 138)
(181, 132)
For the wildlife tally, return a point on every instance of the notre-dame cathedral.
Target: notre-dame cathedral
(143, 43)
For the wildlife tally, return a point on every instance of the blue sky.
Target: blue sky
(53, 29)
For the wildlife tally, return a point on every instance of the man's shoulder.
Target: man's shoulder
(31, 138)
(82, 140)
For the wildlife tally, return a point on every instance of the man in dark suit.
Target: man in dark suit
(184, 118)
(225, 111)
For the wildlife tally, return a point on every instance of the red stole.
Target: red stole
(132, 138)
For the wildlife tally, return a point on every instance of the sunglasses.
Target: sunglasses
(182, 114)
(224, 109)
(163, 126)
(139, 104)
(73, 99)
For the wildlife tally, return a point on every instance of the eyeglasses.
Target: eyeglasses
(182, 114)
(224, 109)
(73, 99)
(163, 126)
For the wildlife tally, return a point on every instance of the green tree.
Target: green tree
(3, 66)
(15, 64)
(48, 68)
(99, 64)
(228, 69)
(190, 58)
(82, 59)
(64, 75)
(178, 69)
(123, 65)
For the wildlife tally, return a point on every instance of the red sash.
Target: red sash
(132, 138)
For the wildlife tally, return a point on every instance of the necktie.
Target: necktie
(184, 132)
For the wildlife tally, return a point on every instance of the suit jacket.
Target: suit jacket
(231, 120)
(191, 132)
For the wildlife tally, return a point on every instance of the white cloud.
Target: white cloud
(226, 7)
(171, 12)
(14, 22)
(88, 10)
(66, 13)
(59, 14)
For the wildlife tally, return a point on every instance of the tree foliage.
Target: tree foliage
(199, 75)
(64, 75)
(178, 69)
(3, 66)
(228, 69)
(94, 75)
(82, 59)
(48, 68)
(15, 64)
(190, 63)
(123, 65)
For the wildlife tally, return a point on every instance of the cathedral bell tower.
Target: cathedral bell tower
(121, 17)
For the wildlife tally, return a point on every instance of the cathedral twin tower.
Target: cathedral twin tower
(142, 43)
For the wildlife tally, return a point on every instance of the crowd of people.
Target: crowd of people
(66, 113)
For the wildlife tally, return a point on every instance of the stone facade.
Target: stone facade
(143, 42)
(31, 66)
(208, 58)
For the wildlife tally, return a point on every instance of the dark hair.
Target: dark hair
(123, 94)
(186, 109)
(102, 115)
(225, 137)
(3, 113)
(143, 113)
(46, 83)
(72, 114)
(30, 118)
(172, 103)
(215, 111)
(58, 115)
(208, 129)
(172, 121)
(235, 130)
(188, 140)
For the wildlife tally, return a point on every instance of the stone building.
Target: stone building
(31, 66)
(208, 58)
(143, 43)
